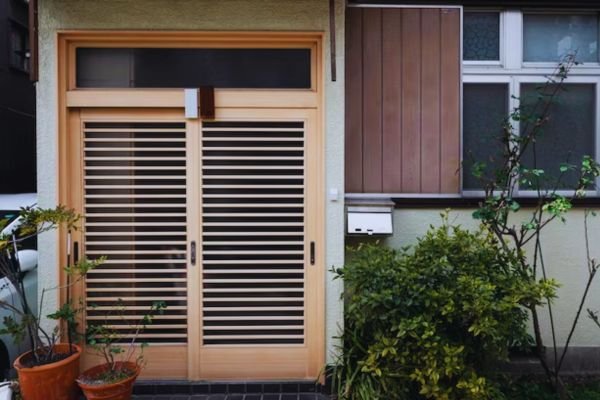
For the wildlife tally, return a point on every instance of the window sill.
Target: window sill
(473, 202)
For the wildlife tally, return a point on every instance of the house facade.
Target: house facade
(217, 150)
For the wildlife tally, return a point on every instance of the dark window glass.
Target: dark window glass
(485, 108)
(180, 68)
(481, 36)
(566, 137)
(19, 47)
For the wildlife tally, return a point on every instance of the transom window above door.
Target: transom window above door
(244, 68)
(508, 58)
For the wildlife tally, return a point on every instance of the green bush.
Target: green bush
(431, 321)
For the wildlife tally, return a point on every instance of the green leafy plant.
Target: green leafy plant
(108, 342)
(433, 320)
(24, 323)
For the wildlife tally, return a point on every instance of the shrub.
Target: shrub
(430, 321)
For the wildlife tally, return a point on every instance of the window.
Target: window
(481, 36)
(485, 107)
(180, 68)
(531, 47)
(550, 37)
(18, 47)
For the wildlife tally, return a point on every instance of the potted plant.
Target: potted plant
(123, 361)
(47, 371)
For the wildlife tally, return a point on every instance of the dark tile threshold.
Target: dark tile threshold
(213, 390)
(249, 396)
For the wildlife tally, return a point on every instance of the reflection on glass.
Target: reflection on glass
(550, 37)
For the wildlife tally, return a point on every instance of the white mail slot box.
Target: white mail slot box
(369, 222)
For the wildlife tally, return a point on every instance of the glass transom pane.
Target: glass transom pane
(181, 68)
(550, 37)
(566, 137)
(485, 107)
(481, 36)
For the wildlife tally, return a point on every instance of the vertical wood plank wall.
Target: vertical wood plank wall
(402, 100)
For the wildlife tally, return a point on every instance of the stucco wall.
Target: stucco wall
(246, 15)
(564, 253)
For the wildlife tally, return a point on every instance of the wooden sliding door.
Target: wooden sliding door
(220, 220)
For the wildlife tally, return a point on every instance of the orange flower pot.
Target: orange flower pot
(55, 381)
(121, 390)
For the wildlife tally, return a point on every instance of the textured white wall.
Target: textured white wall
(564, 253)
(224, 15)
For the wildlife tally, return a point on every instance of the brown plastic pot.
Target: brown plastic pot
(55, 381)
(121, 390)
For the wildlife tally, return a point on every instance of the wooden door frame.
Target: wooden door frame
(71, 100)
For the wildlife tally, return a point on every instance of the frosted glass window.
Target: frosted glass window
(481, 36)
(550, 37)
(569, 133)
(485, 107)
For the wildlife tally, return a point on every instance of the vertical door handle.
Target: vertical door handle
(193, 252)
(312, 253)
(75, 253)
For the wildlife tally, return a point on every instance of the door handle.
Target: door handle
(312, 253)
(193, 252)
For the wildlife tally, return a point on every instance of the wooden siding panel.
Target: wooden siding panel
(450, 98)
(353, 117)
(411, 101)
(430, 101)
(392, 100)
(402, 100)
(372, 101)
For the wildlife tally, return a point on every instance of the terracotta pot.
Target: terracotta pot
(55, 381)
(110, 391)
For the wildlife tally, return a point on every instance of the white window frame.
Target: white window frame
(514, 71)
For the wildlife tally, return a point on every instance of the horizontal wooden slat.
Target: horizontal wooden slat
(252, 138)
(251, 327)
(134, 252)
(254, 308)
(261, 252)
(134, 242)
(130, 308)
(133, 140)
(274, 300)
(129, 130)
(240, 243)
(134, 177)
(134, 168)
(215, 337)
(262, 280)
(250, 129)
(136, 280)
(166, 271)
(242, 177)
(253, 262)
(254, 318)
(254, 167)
(134, 289)
(254, 290)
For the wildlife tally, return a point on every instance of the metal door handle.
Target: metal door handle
(312, 253)
(193, 252)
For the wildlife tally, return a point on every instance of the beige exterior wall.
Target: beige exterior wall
(564, 253)
(197, 15)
